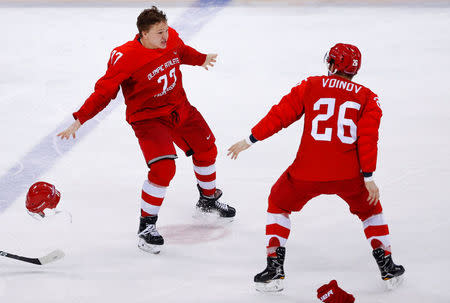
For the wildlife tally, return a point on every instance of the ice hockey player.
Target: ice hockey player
(337, 155)
(148, 71)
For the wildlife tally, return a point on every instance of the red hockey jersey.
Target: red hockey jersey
(151, 79)
(340, 131)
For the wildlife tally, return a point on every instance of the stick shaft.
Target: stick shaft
(20, 258)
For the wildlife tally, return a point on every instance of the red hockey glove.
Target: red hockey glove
(332, 293)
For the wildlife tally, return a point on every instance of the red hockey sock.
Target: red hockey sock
(152, 198)
(277, 231)
(377, 232)
(154, 189)
(274, 243)
(206, 178)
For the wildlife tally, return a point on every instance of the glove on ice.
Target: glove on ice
(332, 293)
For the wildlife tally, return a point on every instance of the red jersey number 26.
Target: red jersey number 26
(341, 122)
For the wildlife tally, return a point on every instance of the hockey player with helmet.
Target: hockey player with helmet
(337, 155)
(148, 71)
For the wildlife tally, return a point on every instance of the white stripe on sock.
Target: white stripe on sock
(374, 221)
(278, 219)
(154, 190)
(205, 170)
(148, 208)
(207, 185)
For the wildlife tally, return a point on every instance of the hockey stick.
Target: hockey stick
(51, 257)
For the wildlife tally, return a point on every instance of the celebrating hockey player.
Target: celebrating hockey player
(337, 155)
(148, 71)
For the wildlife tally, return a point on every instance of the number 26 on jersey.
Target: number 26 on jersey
(341, 122)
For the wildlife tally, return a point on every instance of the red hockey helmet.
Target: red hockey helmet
(40, 196)
(345, 57)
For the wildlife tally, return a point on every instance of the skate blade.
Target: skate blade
(395, 282)
(211, 217)
(150, 248)
(272, 286)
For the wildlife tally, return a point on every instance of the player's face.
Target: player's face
(156, 36)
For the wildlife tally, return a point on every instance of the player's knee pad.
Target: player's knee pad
(162, 172)
(206, 157)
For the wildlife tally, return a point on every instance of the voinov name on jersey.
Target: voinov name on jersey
(335, 83)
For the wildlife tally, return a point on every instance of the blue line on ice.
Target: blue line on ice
(50, 149)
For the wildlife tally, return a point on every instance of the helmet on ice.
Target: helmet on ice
(41, 196)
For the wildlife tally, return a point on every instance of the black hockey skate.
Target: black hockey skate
(149, 238)
(271, 279)
(390, 272)
(212, 205)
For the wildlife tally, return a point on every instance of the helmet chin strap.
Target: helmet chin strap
(37, 216)
(51, 212)
(328, 64)
(331, 72)
(43, 214)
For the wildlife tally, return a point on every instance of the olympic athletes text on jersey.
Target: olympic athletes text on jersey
(340, 132)
(150, 79)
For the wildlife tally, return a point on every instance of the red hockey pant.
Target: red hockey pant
(185, 127)
(289, 195)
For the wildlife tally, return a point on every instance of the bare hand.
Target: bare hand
(236, 148)
(70, 131)
(374, 193)
(210, 60)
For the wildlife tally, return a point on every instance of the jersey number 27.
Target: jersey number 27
(330, 103)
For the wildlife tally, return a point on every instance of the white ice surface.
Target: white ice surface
(50, 59)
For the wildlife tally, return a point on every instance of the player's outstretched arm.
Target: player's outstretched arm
(209, 61)
(70, 131)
